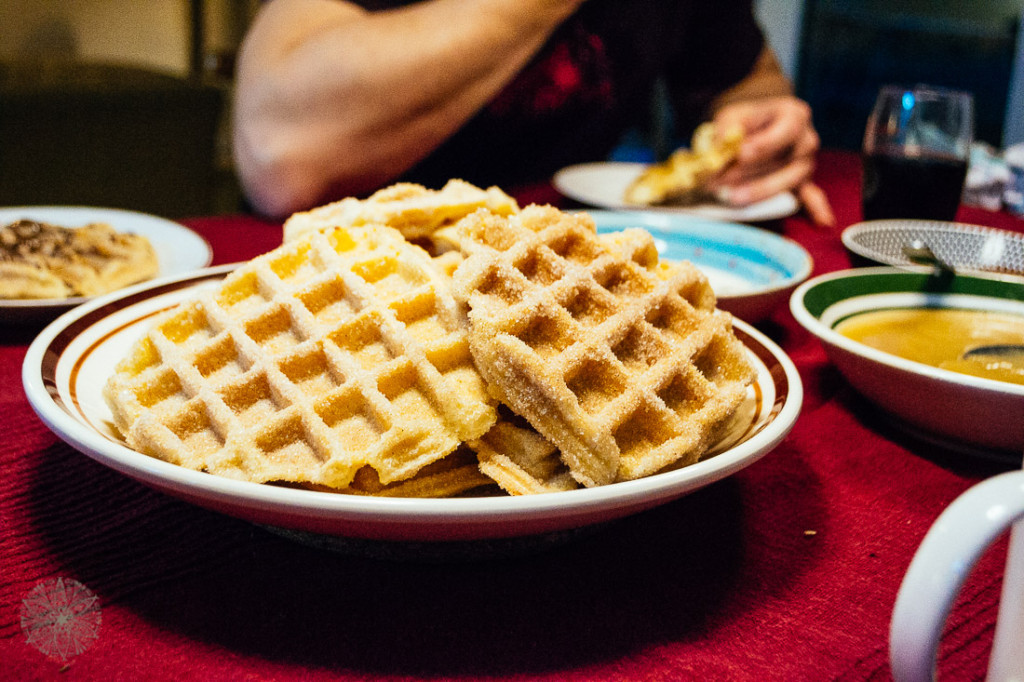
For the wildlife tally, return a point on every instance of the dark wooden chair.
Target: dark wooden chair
(108, 135)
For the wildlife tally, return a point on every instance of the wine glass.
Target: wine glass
(917, 145)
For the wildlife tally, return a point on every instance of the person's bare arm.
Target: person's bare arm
(781, 143)
(331, 97)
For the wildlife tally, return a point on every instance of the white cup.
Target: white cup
(952, 546)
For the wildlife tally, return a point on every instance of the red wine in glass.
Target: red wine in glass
(916, 148)
(926, 187)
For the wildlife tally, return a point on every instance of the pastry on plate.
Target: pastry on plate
(520, 460)
(39, 260)
(534, 356)
(683, 177)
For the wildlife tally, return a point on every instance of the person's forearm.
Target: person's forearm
(333, 97)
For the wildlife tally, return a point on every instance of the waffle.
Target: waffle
(624, 370)
(40, 260)
(420, 214)
(453, 475)
(634, 244)
(339, 351)
(520, 460)
(683, 177)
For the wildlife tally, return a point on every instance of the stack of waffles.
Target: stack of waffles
(505, 347)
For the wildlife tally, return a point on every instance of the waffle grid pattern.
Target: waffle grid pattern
(625, 371)
(339, 350)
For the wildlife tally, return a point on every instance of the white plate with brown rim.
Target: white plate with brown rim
(68, 363)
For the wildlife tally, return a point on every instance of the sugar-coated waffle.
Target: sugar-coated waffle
(520, 460)
(624, 368)
(683, 177)
(341, 350)
(422, 215)
(452, 475)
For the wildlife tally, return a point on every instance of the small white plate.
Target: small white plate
(752, 270)
(965, 413)
(604, 184)
(68, 363)
(981, 251)
(178, 249)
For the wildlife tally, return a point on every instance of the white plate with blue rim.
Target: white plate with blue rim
(753, 271)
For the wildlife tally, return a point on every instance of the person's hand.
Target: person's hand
(777, 155)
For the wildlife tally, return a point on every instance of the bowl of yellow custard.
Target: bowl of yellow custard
(944, 356)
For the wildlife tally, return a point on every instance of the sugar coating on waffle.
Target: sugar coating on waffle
(340, 350)
(626, 369)
(420, 214)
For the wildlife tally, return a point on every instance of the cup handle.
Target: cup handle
(946, 556)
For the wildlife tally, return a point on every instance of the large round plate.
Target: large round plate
(68, 363)
(974, 249)
(966, 413)
(751, 270)
(604, 184)
(178, 249)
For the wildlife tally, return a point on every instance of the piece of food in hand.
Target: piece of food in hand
(625, 368)
(422, 215)
(683, 178)
(39, 260)
(339, 351)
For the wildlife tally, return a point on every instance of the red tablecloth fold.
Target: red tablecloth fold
(785, 571)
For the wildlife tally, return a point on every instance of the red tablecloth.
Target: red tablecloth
(787, 570)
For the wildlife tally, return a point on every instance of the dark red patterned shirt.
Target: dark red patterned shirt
(592, 81)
